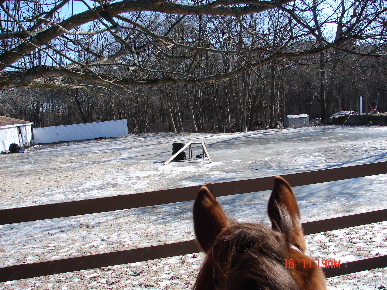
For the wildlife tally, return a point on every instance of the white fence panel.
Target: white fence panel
(108, 129)
(46, 135)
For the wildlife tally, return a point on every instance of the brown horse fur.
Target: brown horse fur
(252, 256)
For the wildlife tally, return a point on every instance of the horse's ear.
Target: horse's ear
(285, 214)
(209, 218)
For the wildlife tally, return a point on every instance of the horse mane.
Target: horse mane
(257, 251)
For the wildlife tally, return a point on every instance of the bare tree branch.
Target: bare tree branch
(35, 77)
(115, 9)
(145, 43)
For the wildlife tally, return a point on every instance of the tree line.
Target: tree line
(190, 66)
(252, 100)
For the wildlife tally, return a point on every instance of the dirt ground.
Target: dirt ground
(98, 168)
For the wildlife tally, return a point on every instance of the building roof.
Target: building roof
(7, 121)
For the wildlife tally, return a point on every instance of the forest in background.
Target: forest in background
(226, 66)
(237, 104)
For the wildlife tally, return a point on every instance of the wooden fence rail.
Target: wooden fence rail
(49, 211)
(105, 204)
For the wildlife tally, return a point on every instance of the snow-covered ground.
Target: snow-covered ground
(99, 168)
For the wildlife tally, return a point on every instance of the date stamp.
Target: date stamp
(311, 263)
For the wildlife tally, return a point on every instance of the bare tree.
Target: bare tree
(161, 42)
(356, 23)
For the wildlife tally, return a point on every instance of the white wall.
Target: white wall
(26, 135)
(87, 131)
(7, 137)
(10, 134)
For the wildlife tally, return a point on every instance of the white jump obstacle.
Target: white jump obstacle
(190, 155)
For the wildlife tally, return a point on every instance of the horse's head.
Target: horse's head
(252, 256)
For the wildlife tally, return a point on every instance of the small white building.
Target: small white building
(297, 121)
(14, 131)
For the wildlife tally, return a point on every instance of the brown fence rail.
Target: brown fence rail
(49, 211)
(89, 206)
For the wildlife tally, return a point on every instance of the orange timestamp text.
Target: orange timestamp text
(311, 263)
